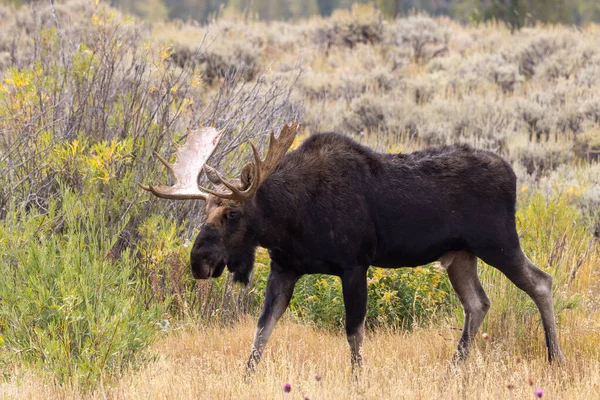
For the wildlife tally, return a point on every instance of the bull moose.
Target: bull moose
(333, 206)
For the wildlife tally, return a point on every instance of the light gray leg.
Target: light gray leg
(355, 340)
(280, 287)
(462, 271)
(538, 285)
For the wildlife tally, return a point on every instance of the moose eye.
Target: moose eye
(232, 215)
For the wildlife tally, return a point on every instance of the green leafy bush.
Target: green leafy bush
(68, 305)
(396, 297)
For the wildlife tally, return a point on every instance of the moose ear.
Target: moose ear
(246, 176)
(211, 174)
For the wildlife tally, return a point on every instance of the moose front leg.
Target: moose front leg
(354, 286)
(462, 271)
(280, 287)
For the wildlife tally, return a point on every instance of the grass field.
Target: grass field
(209, 362)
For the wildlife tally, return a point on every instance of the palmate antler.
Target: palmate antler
(192, 157)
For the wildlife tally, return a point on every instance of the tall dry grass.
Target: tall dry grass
(208, 363)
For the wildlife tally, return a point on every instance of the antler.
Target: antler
(191, 157)
(259, 170)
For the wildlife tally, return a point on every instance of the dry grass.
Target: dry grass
(208, 363)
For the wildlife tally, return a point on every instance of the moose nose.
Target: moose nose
(200, 275)
(201, 271)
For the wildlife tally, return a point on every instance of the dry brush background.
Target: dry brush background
(96, 298)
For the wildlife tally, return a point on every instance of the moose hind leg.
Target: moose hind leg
(538, 285)
(462, 271)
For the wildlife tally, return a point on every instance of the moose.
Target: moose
(334, 206)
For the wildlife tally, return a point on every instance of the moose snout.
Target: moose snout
(205, 267)
(200, 268)
(201, 273)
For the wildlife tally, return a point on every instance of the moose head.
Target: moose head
(228, 236)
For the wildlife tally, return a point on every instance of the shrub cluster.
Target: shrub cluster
(95, 267)
(362, 25)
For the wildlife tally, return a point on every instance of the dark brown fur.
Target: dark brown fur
(336, 207)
